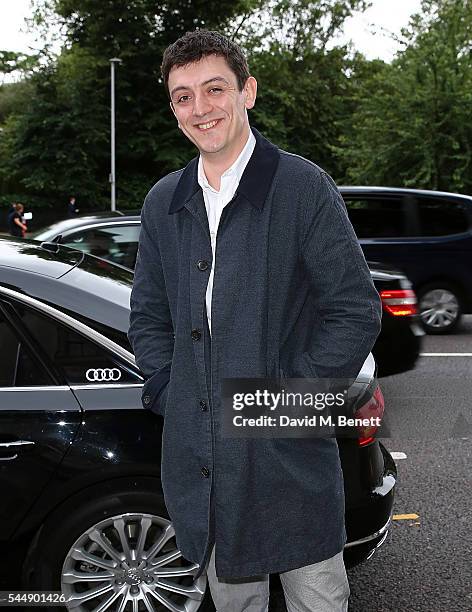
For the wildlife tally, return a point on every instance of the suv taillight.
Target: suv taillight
(374, 407)
(399, 302)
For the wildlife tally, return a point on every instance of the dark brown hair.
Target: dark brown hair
(193, 46)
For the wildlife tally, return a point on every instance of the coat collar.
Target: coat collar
(254, 184)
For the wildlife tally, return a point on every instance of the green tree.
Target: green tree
(412, 123)
(301, 102)
(53, 145)
(304, 85)
(11, 61)
(57, 142)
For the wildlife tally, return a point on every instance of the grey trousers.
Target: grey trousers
(321, 587)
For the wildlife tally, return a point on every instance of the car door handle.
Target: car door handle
(6, 446)
(15, 443)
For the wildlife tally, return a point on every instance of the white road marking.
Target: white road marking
(445, 354)
(398, 455)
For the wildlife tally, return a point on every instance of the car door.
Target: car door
(39, 418)
(104, 379)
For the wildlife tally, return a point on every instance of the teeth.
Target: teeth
(206, 126)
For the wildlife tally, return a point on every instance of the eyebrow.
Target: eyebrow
(216, 78)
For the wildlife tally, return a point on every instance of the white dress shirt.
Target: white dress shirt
(215, 201)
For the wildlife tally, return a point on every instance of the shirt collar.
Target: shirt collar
(235, 171)
(255, 182)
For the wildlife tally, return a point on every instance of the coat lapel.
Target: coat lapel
(254, 186)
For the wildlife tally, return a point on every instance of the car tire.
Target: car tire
(440, 308)
(77, 536)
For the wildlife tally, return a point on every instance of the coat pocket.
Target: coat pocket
(154, 392)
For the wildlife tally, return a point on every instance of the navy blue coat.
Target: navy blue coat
(292, 296)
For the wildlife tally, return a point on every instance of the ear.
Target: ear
(250, 92)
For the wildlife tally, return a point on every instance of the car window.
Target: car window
(17, 367)
(389, 217)
(442, 217)
(115, 335)
(117, 243)
(76, 358)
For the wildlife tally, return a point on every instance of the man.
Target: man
(72, 210)
(247, 267)
(16, 226)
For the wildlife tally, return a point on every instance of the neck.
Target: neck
(215, 164)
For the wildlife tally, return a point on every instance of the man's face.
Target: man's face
(210, 110)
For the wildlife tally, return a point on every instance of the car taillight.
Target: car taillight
(371, 409)
(399, 302)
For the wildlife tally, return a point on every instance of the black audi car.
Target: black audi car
(82, 506)
(115, 238)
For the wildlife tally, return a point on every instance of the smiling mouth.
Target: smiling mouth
(203, 127)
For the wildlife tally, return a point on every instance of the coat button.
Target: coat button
(202, 265)
(147, 399)
(205, 472)
(196, 334)
(203, 405)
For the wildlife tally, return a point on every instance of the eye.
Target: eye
(216, 90)
(183, 99)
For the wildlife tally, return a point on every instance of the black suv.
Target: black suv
(82, 504)
(427, 235)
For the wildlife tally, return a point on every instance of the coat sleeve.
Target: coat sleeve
(151, 331)
(340, 280)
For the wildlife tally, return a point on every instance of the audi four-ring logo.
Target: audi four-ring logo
(103, 374)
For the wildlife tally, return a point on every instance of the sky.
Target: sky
(388, 14)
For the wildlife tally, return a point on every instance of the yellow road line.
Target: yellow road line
(405, 517)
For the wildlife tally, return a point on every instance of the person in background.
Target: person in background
(10, 210)
(16, 226)
(72, 210)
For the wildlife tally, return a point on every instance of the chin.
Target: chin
(211, 148)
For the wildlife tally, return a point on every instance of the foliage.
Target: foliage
(10, 61)
(301, 100)
(57, 142)
(412, 123)
(404, 123)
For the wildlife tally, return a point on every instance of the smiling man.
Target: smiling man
(247, 267)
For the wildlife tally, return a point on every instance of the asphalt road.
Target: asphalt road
(425, 563)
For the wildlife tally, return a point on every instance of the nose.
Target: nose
(201, 105)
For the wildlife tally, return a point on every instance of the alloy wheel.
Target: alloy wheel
(439, 308)
(130, 563)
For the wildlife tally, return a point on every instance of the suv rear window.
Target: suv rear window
(441, 217)
(381, 217)
(406, 216)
